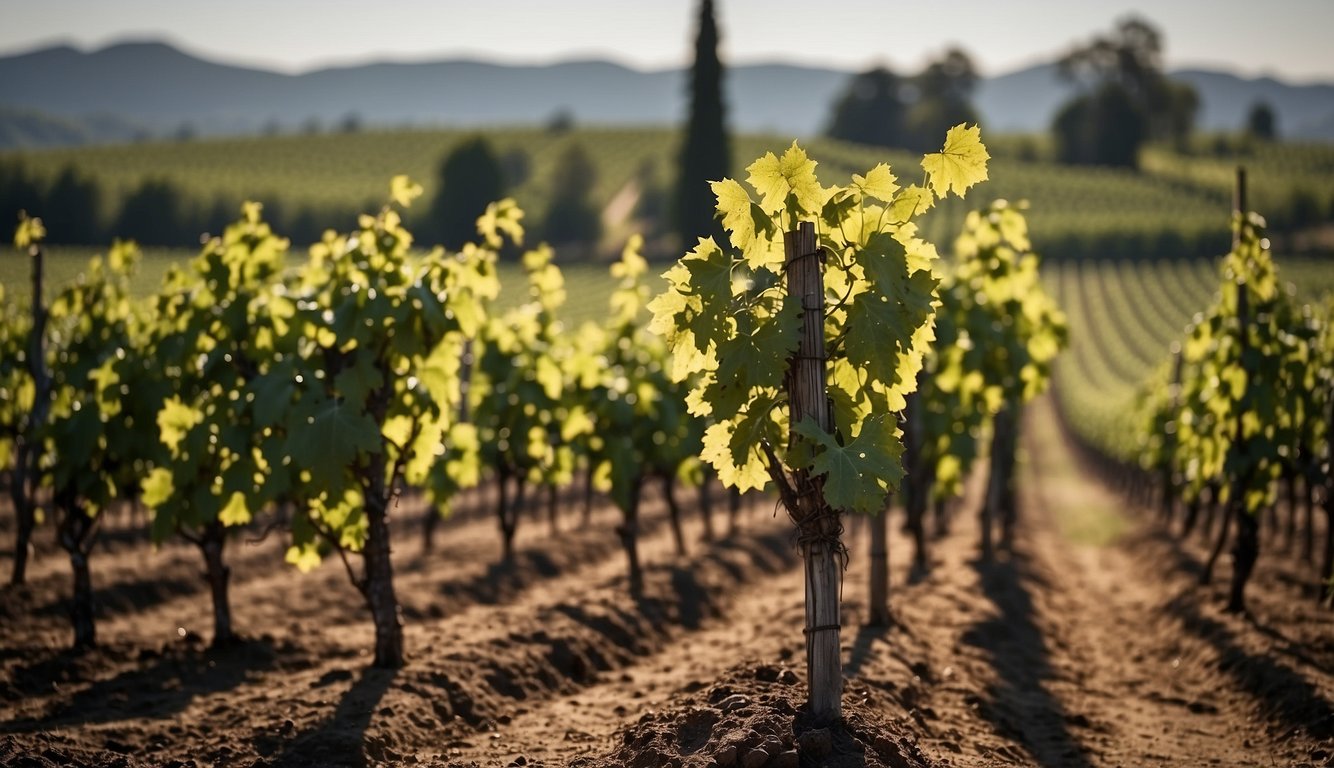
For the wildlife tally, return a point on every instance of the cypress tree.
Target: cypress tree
(706, 152)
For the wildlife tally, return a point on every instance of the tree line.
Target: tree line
(159, 212)
(1123, 99)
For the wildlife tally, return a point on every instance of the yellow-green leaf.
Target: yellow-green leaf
(960, 164)
(878, 182)
(305, 557)
(912, 201)
(791, 176)
(744, 220)
(235, 512)
(175, 420)
(504, 216)
(403, 190)
(29, 232)
(157, 487)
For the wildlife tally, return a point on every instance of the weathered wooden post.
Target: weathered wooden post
(1246, 547)
(819, 525)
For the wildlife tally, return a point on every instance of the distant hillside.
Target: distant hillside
(153, 87)
(1304, 111)
(25, 128)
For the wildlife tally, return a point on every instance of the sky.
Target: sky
(1284, 38)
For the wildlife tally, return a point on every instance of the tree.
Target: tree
(470, 178)
(870, 111)
(1261, 122)
(351, 123)
(943, 98)
(641, 431)
(1122, 81)
(152, 215)
(72, 210)
(706, 152)
(572, 217)
(1105, 127)
(19, 191)
(1247, 390)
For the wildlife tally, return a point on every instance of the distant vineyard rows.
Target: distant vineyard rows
(1169, 211)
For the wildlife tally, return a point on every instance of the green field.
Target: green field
(1163, 228)
(1124, 318)
(588, 285)
(1177, 207)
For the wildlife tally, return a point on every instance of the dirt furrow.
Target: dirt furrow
(468, 673)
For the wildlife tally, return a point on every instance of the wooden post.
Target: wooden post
(1239, 199)
(878, 594)
(819, 525)
(431, 520)
(1168, 478)
(1246, 547)
(1327, 562)
(920, 475)
(27, 478)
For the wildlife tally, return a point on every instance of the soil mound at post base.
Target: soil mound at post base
(753, 717)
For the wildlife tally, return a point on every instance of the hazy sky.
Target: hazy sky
(1289, 38)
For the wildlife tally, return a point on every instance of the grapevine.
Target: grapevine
(729, 321)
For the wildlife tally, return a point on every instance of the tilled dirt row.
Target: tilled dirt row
(1089, 644)
(299, 694)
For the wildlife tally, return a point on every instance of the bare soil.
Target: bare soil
(1090, 643)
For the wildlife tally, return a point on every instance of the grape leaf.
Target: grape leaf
(501, 217)
(960, 164)
(175, 420)
(157, 487)
(912, 201)
(756, 356)
(878, 183)
(235, 511)
(403, 190)
(881, 320)
(785, 180)
(326, 438)
(748, 224)
(859, 474)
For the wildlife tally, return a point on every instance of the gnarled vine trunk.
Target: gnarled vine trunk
(628, 531)
(673, 512)
(1245, 551)
(706, 507)
(508, 509)
(379, 584)
(1207, 574)
(76, 538)
(218, 573)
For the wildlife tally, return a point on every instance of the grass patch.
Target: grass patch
(1086, 512)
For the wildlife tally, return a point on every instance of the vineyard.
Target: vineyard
(928, 460)
(314, 181)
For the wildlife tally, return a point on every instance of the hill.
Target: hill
(192, 95)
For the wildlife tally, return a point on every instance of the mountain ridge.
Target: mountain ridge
(193, 94)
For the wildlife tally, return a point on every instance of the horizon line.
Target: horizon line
(377, 58)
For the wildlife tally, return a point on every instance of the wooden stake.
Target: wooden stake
(818, 524)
